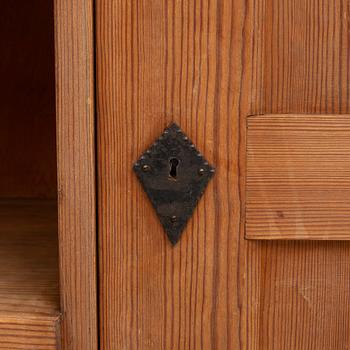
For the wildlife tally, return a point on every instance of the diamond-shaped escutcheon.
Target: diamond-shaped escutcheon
(174, 175)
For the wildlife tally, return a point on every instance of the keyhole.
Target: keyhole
(174, 163)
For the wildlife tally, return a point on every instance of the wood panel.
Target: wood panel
(298, 53)
(298, 169)
(296, 60)
(158, 62)
(185, 61)
(27, 103)
(29, 292)
(298, 295)
(76, 172)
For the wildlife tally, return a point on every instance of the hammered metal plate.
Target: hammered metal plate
(174, 175)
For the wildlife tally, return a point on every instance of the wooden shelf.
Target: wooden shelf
(29, 284)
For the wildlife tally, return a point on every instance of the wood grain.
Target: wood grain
(76, 172)
(208, 65)
(297, 56)
(298, 169)
(27, 103)
(296, 60)
(29, 333)
(298, 295)
(29, 291)
(157, 62)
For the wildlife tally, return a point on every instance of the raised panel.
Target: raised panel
(296, 61)
(298, 177)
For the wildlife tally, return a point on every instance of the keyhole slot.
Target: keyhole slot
(174, 163)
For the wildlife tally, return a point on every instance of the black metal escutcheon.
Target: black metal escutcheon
(174, 175)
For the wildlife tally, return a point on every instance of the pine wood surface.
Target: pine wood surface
(298, 169)
(21, 333)
(296, 61)
(208, 65)
(158, 62)
(76, 172)
(29, 291)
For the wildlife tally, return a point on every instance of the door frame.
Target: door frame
(75, 113)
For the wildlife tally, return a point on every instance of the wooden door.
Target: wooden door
(262, 89)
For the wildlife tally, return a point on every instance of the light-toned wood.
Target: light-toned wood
(29, 290)
(296, 60)
(298, 177)
(157, 62)
(76, 172)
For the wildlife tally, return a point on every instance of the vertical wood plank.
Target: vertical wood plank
(76, 172)
(157, 62)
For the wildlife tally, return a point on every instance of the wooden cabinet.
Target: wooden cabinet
(261, 87)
